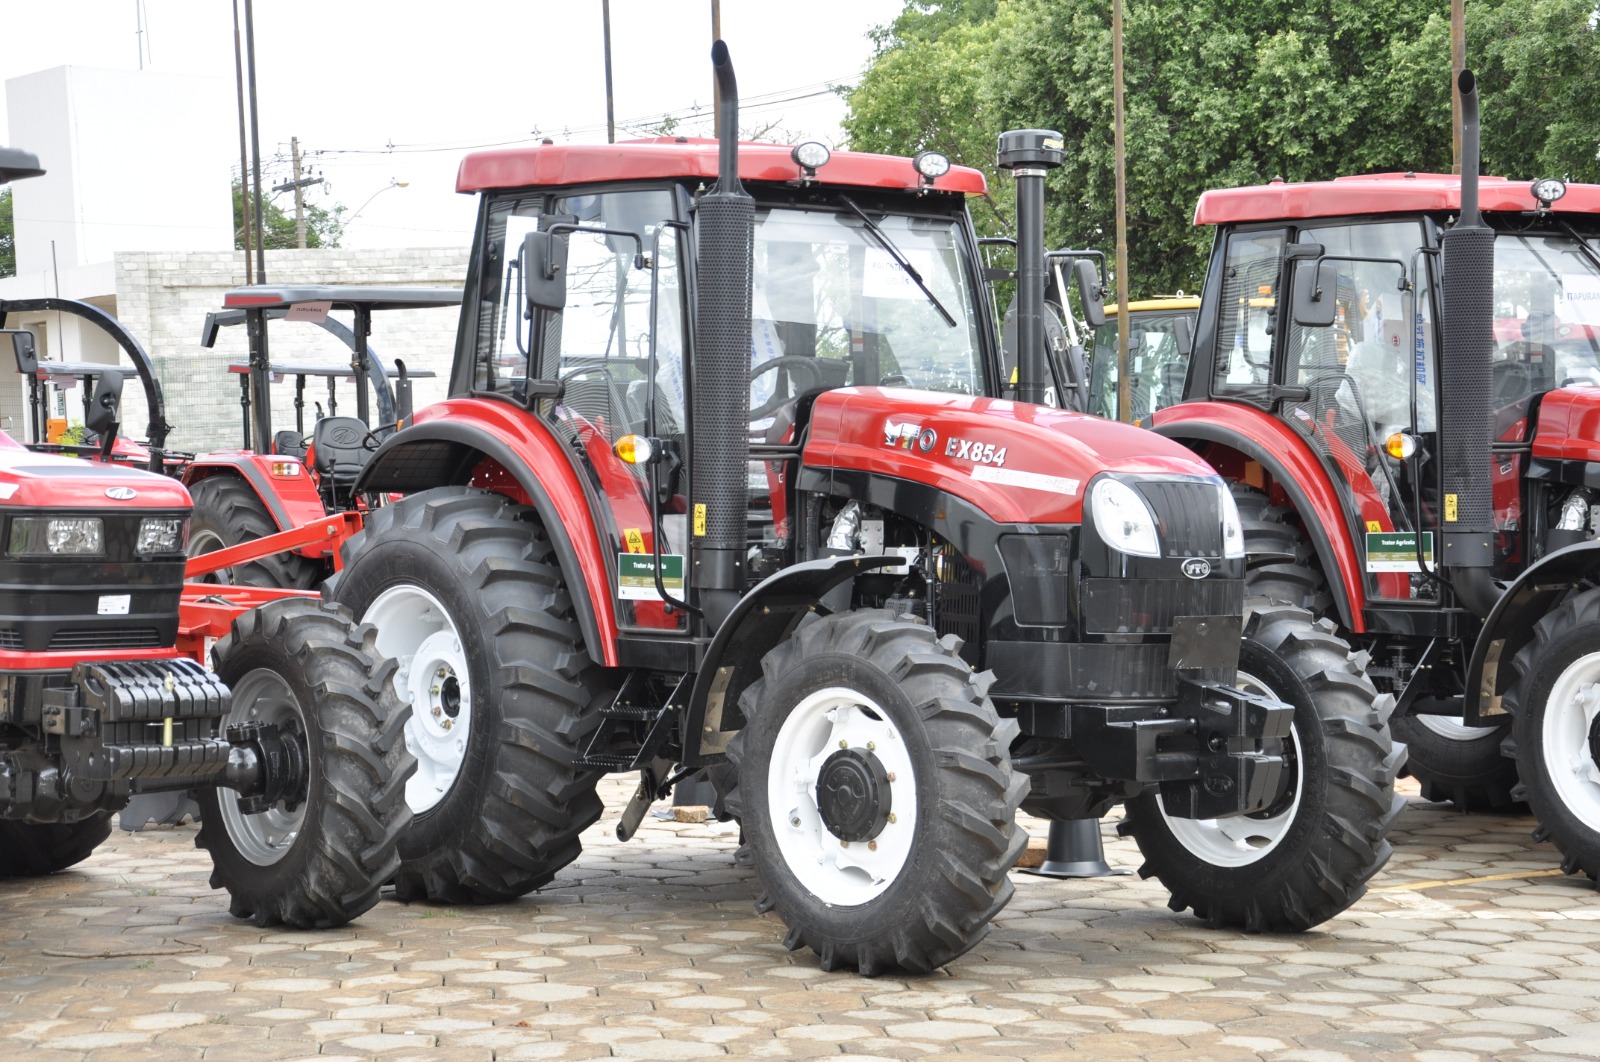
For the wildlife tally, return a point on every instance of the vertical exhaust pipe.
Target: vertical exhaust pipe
(1029, 154)
(720, 451)
(1467, 254)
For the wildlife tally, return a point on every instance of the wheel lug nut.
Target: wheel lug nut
(871, 745)
(892, 817)
(891, 776)
(441, 673)
(843, 744)
(872, 846)
(795, 821)
(844, 844)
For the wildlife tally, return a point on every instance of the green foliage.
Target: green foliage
(8, 235)
(1219, 93)
(324, 228)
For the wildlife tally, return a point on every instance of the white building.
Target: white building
(134, 215)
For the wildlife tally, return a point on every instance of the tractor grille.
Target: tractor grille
(956, 600)
(1148, 606)
(1189, 513)
(88, 639)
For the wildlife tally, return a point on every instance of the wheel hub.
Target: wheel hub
(1594, 740)
(853, 795)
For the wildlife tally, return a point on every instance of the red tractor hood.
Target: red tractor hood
(1569, 425)
(1018, 463)
(31, 480)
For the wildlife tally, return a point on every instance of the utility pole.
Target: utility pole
(1458, 63)
(1124, 387)
(605, 21)
(299, 184)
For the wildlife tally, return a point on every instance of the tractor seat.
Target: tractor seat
(339, 453)
(289, 444)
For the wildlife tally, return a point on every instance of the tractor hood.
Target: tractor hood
(1016, 462)
(46, 481)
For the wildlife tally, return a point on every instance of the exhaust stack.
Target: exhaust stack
(725, 238)
(1029, 154)
(1467, 253)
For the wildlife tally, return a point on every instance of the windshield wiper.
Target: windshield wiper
(899, 259)
(1583, 244)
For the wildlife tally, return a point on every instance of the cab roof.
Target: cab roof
(1379, 193)
(680, 157)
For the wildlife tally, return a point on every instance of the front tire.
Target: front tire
(33, 849)
(1554, 701)
(319, 856)
(463, 588)
(876, 794)
(227, 511)
(1309, 855)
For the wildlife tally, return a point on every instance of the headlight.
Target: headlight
(1232, 528)
(161, 535)
(1123, 519)
(42, 536)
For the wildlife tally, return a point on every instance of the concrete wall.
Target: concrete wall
(163, 299)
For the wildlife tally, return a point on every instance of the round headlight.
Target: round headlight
(1124, 521)
(931, 165)
(810, 155)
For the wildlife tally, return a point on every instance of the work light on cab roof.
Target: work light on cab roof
(931, 165)
(1547, 190)
(810, 157)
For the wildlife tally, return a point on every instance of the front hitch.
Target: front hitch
(267, 766)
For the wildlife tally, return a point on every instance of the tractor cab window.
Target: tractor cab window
(1157, 366)
(1245, 314)
(1546, 317)
(832, 307)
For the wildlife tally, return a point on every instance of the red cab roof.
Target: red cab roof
(669, 157)
(1378, 193)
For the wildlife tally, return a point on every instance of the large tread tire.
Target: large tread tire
(1449, 763)
(227, 511)
(319, 857)
(1465, 766)
(1554, 702)
(499, 809)
(915, 901)
(1311, 854)
(32, 849)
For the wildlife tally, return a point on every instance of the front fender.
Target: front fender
(1534, 594)
(450, 442)
(760, 620)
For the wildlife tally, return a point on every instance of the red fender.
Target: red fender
(282, 482)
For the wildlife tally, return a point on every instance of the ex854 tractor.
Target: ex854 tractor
(1400, 375)
(719, 487)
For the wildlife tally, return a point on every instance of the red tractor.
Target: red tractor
(718, 489)
(283, 479)
(1398, 374)
(292, 745)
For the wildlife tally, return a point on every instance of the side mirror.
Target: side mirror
(1183, 335)
(105, 405)
(1314, 306)
(544, 270)
(22, 345)
(1091, 297)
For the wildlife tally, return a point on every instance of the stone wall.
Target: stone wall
(162, 298)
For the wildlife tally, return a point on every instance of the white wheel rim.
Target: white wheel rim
(1569, 715)
(1240, 840)
(839, 873)
(417, 631)
(1451, 729)
(263, 696)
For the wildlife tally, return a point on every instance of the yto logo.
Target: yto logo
(121, 493)
(1197, 567)
(900, 436)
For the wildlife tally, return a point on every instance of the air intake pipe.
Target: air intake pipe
(1029, 154)
(720, 450)
(1467, 253)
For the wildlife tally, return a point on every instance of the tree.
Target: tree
(1220, 93)
(324, 227)
(8, 235)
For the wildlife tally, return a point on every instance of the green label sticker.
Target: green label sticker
(636, 577)
(1396, 551)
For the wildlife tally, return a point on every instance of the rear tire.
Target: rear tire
(464, 590)
(227, 511)
(876, 794)
(319, 857)
(1310, 855)
(33, 849)
(1449, 762)
(1555, 706)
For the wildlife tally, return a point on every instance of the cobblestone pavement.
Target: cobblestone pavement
(1469, 945)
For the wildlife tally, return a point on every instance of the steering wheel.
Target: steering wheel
(1512, 380)
(804, 374)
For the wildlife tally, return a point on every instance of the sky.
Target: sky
(382, 94)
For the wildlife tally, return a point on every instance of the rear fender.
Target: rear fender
(291, 499)
(761, 619)
(452, 442)
(1295, 469)
(1534, 594)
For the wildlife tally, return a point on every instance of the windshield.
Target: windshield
(826, 289)
(1547, 315)
(1157, 367)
